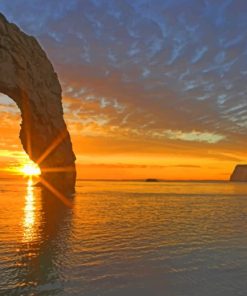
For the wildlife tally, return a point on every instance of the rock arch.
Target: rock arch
(27, 76)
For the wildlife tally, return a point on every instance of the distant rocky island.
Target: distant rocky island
(151, 180)
(239, 174)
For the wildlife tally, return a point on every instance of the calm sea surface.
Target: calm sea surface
(124, 239)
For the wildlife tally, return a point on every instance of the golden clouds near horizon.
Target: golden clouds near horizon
(107, 150)
(17, 163)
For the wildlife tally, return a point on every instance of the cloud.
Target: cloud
(135, 166)
(194, 136)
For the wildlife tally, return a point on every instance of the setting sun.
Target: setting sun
(31, 169)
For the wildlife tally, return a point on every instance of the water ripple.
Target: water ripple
(125, 238)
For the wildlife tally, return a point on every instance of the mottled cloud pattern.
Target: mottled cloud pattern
(168, 70)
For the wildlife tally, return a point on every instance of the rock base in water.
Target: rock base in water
(239, 174)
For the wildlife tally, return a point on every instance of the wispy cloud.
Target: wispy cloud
(194, 136)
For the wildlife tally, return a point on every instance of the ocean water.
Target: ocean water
(124, 239)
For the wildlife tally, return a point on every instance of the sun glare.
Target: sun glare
(31, 169)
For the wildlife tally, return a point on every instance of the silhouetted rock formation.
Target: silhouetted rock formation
(27, 76)
(240, 173)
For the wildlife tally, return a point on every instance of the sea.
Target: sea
(124, 238)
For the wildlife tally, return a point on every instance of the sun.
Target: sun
(31, 169)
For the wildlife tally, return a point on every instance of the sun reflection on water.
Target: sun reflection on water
(29, 213)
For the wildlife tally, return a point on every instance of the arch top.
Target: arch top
(27, 76)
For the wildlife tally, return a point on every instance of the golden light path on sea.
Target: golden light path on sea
(29, 213)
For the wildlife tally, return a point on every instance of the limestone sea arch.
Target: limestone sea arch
(27, 76)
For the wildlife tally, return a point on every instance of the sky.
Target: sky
(151, 88)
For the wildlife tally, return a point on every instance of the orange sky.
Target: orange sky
(104, 152)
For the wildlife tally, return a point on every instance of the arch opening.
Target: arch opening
(14, 160)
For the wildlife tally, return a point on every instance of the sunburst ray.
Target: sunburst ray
(53, 146)
(57, 193)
